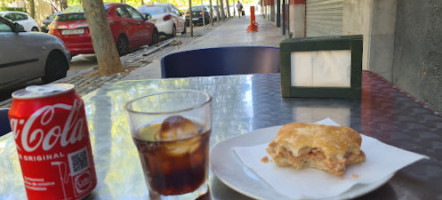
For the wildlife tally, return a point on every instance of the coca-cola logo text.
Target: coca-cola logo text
(38, 131)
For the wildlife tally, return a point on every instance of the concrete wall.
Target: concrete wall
(375, 20)
(366, 28)
(297, 18)
(352, 17)
(417, 66)
(402, 42)
(271, 12)
(356, 21)
(381, 33)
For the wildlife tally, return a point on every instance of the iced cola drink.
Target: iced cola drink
(177, 164)
(173, 146)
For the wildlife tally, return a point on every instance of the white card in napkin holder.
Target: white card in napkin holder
(382, 161)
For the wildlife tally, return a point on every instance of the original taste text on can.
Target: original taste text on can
(53, 144)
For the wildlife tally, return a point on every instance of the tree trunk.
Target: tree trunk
(32, 10)
(64, 4)
(204, 15)
(228, 8)
(190, 18)
(234, 9)
(223, 14)
(211, 12)
(142, 2)
(102, 40)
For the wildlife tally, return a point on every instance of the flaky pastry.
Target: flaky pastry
(303, 145)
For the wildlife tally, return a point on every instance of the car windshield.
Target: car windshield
(153, 10)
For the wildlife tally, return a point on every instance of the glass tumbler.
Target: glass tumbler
(171, 131)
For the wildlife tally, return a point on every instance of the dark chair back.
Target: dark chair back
(221, 61)
(5, 126)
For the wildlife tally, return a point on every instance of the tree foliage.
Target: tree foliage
(178, 3)
(12, 9)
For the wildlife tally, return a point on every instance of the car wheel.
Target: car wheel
(154, 36)
(34, 29)
(56, 67)
(185, 30)
(173, 31)
(122, 45)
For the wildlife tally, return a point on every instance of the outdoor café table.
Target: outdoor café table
(243, 103)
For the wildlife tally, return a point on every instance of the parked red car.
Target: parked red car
(130, 29)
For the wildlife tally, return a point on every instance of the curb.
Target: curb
(167, 43)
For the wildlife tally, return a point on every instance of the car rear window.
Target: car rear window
(197, 8)
(153, 10)
(74, 13)
(71, 17)
(53, 16)
(73, 9)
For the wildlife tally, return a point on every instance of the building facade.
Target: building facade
(402, 39)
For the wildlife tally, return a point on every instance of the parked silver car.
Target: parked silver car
(29, 55)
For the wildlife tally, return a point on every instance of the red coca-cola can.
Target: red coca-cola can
(53, 145)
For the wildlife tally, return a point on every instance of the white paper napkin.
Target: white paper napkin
(382, 160)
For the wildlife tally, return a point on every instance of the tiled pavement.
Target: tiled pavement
(230, 33)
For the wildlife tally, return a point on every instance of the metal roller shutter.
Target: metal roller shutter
(324, 17)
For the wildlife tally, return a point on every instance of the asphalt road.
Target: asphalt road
(83, 62)
(78, 63)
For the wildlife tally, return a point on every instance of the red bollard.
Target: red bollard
(253, 25)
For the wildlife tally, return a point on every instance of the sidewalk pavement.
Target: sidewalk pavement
(145, 63)
(231, 33)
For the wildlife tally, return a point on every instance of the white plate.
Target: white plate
(228, 168)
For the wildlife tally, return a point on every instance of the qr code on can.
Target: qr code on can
(78, 161)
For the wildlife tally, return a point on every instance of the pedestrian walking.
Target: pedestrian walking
(239, 7)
